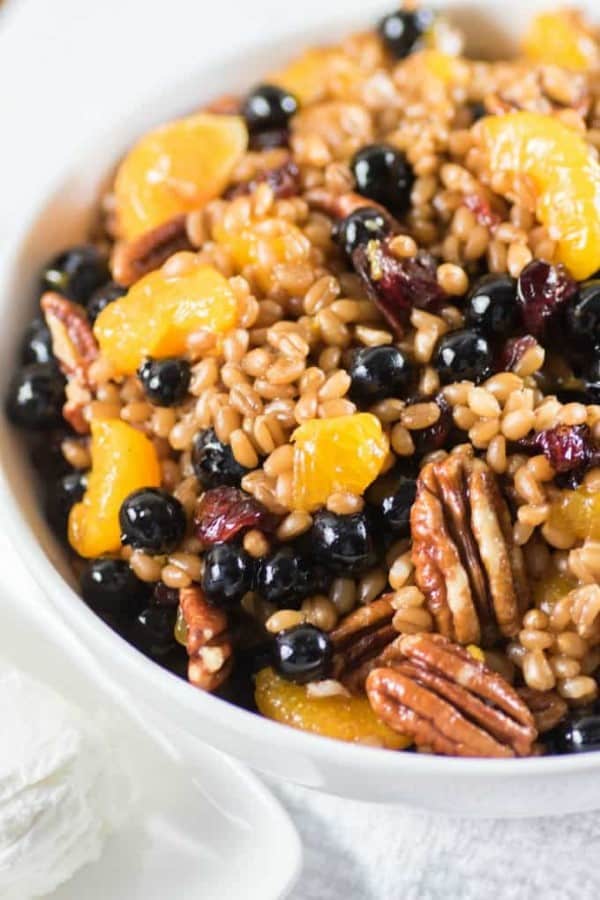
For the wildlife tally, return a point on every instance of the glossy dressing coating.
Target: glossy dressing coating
(158, 314)
(345, 453)
(175, 169)
(565, 173)
(123, 460)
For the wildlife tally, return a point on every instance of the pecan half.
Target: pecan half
(547, 707)
(449, 702)
(339, 206)
(208, 642)
(466, 562)
(73, 341)
(132, 260)
(359, 639)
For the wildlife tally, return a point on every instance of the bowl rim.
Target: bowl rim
(83, 621)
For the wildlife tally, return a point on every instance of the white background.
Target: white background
(63, 63)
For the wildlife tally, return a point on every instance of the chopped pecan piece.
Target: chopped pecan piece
(547, 707)
(466, 562)
(359, 639)
(208, 642)
(338, 206)
(134, 259)
(449, 702)
(73, 341)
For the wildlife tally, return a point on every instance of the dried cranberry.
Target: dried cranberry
(566, 447)
(283, 181)
(542, 292)
(224, 511)
(513, 352)
(426, 440)
(397, 285)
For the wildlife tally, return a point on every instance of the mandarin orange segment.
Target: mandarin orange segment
(577, 511)
(566, 175)
(562, 38)
(175, 169)
(341, 717)
(344, 453)
(308, 76)
(263, 245)
(159, 312)
(123, 460)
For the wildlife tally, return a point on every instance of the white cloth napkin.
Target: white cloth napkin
(361, 851)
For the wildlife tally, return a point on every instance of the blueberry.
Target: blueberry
(383, 174)
(76, 273)
(342, 544)
(165, 381)
(213, 462)
(492, 306)
(101, 298)
(402, 31)
(578, 735)
(396, 507)
(361, 226)
(228, 573)
(61, 497)
(463, 355)
(152, 520)
(109, 585)
(268, 108)
(36, 346)
(377, 373)
(153, 631)
(302, 654)
(35, 396)
(285, 578)
(583, 315)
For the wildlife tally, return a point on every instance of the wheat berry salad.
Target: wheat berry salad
(317, 408)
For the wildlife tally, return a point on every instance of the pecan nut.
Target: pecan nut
(466, 562)
(208, 642)
(448, 702)
(132, 260)
(358, 641)
(547, 707)
(339, 206)
(73, 341)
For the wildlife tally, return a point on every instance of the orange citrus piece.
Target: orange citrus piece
(344, 718)
(562, 38)
(565, 173)
(159, 312)
(345, 453)
(123, 460)
(308, 76)
(577, 511)
(263, 245)
(176, 168)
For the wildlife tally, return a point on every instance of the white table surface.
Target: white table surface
(61, 63)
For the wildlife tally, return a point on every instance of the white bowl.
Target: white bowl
(529, 787)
